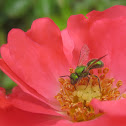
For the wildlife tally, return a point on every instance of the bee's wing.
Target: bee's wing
(83, 55)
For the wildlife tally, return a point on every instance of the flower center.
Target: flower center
(75, 99)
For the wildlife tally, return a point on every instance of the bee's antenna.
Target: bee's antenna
(65, 76)
(102, 57)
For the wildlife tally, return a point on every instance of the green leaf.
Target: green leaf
(7, 83)
(2, 37)
(44, 8)
(16, 8)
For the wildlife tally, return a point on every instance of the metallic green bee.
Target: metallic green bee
(82, 70)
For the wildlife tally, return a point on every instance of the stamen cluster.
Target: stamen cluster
(76, 102)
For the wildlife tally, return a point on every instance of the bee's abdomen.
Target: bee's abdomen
(98, 64)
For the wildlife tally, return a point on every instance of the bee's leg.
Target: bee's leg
(81, 78)
(74, 87)
(98, 82)
(88, 81)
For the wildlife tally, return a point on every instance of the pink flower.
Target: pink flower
(37, 58)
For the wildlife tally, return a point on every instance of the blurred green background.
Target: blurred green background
(21, 13)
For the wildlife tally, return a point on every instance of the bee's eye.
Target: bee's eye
(73, 78)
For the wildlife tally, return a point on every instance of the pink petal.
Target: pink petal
(17, 117)
(112, 12)
(77, 29)
(4, 103)
(10, 115)
(103, 120)
(26, 102)
(24, 86)
(45, 32)
(9, 72)
(108, 37)
(68, 45)
(114, 108)
(38, 66)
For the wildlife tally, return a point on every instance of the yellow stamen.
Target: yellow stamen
(71, 70)
(76, 102)
(105, 71)
(124, 95)
(119, 83)
(100, 71)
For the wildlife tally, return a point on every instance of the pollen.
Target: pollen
(75, 99)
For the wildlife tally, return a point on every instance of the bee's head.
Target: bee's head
(73, 78)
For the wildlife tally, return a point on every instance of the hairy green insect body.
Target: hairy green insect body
(83, 71)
